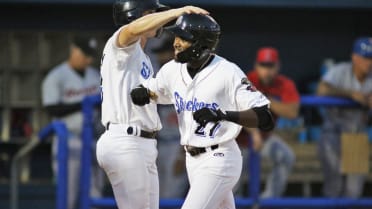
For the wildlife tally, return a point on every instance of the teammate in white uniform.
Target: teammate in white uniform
(127, 150)
(63, 90)
(202, 85)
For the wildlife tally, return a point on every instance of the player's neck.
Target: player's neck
(80, 72)
(194, 67)
(143, 42)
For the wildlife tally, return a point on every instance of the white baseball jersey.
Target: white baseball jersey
(122, 70)
(64, 85)
(220, 85)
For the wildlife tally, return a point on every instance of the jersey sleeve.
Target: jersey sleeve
(290, 93)
(122, 54)
(243, 92)
(334, 76)
(159, 86)
(51, 91)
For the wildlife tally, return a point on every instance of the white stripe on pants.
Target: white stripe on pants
(212, 176)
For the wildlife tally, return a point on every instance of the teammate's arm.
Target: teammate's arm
(286, 110)
(257, 141)
(151, 22)
(155, 89)
(61, 110)
(326, 89)
(289, 104)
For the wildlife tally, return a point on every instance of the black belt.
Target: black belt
(194, 151)
(143, 133)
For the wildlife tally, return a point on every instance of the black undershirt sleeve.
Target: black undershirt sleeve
(61, 110)
(258, 117)
(265, 118)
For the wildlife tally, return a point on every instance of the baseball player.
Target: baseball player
(351, 80)
(213, 100)
(63, 90)
(127, 150)
(285, 102)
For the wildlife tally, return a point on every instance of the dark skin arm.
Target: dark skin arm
(258, 117)
(247, 118)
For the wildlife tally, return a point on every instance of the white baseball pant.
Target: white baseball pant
(212, 176)
(130, 164)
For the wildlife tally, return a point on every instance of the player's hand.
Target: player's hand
(256, 137)
(140, 95)
(359, 97)
(206, 115)
(369, 100)
(191, 9)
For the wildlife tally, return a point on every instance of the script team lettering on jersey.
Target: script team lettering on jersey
(191, 105)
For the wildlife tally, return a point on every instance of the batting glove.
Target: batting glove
(140, 95)
(206, 115)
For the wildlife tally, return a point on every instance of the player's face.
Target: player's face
(79, 59)
(180, 45)
(267, 72)
(364, 64)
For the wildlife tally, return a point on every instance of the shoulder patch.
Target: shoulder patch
(145, 71)
(250, 86)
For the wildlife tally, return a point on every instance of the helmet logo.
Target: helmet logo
(179, 20)
(145, 71)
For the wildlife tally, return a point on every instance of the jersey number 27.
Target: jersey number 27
(200, 130)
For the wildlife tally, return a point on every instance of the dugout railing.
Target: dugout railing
(58, 129)
(86, 201)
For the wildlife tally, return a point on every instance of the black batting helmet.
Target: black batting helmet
(202, 30)
(125, 11)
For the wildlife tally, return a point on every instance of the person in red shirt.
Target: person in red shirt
(285, 102)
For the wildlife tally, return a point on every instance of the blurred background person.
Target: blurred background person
(285, 102)
(171, 163)
(350, 80)
(63, 90)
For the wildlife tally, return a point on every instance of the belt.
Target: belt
(131, 130)
(194, 151)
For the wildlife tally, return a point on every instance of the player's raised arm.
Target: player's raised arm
(149, 24)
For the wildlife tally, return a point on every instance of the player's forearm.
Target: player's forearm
(61, 110)
(259, 117)
(153, 21)
(325, 89)
(286, 110)
(146, 24)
